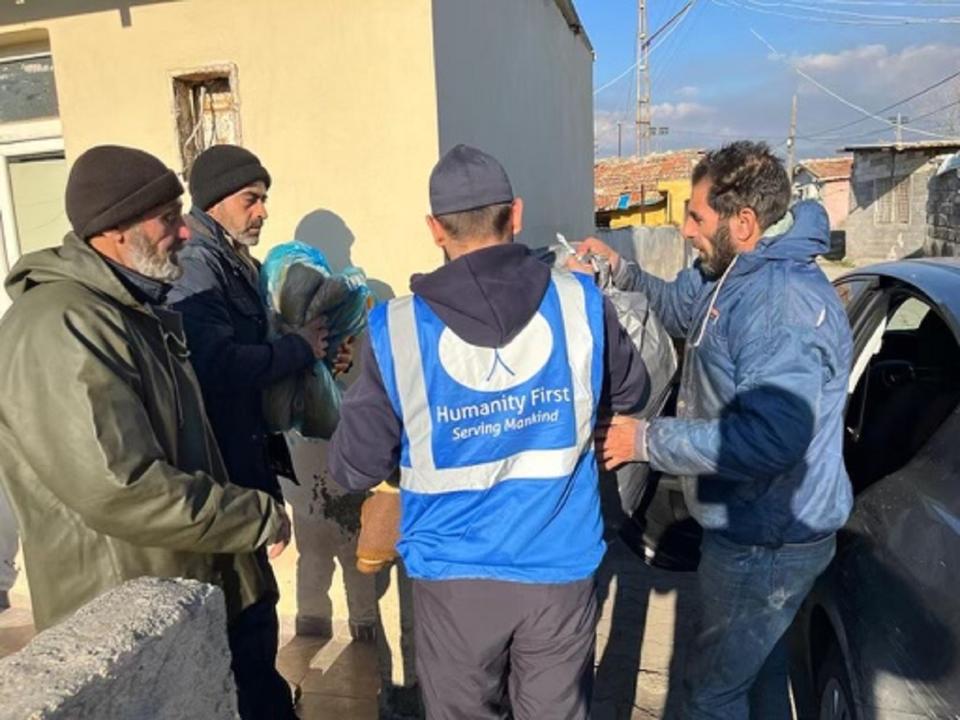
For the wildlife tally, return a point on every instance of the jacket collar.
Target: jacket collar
(207, 232)
(144, 289)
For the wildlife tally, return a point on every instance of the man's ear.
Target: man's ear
(440, 237)
(745, 226)
(516, 216)
(116, 236)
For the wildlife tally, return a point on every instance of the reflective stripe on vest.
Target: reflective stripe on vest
(475, 416)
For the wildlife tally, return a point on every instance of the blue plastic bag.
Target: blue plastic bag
(297, 285)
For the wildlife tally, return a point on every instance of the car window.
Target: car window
(850, 290)
(909, 315)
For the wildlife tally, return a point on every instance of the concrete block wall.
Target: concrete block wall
(943, 216)
(659, 250)
(151, 648)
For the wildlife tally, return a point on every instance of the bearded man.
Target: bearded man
(758, 436)
(226, 326)
(105, 452)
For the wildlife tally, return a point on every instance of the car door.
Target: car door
(887, 606)
(899, 563)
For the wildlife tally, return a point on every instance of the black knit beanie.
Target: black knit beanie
(222, 170)
(110, 185)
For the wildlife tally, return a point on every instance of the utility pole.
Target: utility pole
(898, 122)
(619, 139)
(643, 81)
(792, 140)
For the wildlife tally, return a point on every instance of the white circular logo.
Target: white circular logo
(494, 369)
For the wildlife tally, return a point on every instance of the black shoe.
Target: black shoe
(313, 626)
(4, 600)
(401, 703)
(363, 632)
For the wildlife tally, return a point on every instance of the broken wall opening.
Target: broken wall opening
(207, 111)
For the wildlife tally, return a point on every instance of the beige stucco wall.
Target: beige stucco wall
(514, 80)
(337, 98)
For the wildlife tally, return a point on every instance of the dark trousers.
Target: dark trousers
(479, 642)
(737, 663)
(262, 692)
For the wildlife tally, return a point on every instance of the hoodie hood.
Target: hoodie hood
(486, 297)
(805, 239)
(73, 261)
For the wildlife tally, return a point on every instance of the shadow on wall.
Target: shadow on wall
(330, 234)
(33, 11)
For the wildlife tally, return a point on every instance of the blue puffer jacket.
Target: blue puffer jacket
(758, 437)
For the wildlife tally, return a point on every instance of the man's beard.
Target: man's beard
(249, 237)
(151, 262)
(715, 263)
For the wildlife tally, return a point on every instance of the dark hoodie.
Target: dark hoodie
(486, 297)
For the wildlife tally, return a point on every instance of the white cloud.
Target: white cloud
(687, 91)
(866, 54)
(873, 76)
(874, 67)
(665, 112)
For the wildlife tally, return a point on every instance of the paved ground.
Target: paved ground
(638, 641)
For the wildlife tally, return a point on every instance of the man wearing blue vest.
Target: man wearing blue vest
(483, 389)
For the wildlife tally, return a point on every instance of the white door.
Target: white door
(33, 177)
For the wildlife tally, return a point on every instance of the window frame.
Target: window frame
(10, 247)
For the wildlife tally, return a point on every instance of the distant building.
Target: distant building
(653, 190)
(888, 217)
(826, 180)
(943, 210)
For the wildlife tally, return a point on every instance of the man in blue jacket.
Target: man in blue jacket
(758, 437)
(483, 388)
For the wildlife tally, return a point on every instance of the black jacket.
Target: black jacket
(486, 298)
(226, 327)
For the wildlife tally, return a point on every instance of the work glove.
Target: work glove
(379, 529)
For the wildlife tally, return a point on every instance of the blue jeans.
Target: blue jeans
(737, 662)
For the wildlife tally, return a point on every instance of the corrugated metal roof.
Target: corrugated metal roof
(906, 146)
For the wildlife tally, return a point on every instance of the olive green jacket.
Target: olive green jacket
(105, 450)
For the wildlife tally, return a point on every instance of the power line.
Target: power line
(676, 20)
(859, 19)
(845, 138)
(894, 3)
(842, 99)
(678, 41)
(889, 107)
(827, 12)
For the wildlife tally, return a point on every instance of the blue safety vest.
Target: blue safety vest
(498, 477)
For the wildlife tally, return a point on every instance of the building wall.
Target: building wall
(835, 196)
(650, 217)
(338, 99)
(514, 80)
(866, 237)
(661, 251)
(943, 216)
(679, 193)
(671, 212)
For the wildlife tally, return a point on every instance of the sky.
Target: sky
(714, 81)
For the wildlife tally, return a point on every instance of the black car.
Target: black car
(879, 636)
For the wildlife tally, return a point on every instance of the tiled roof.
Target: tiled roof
(835, 168)
(615, 177)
